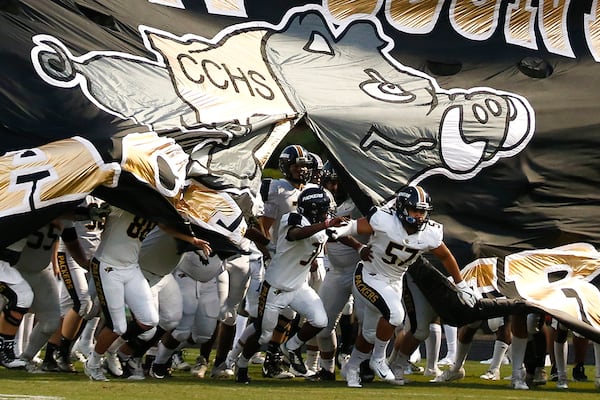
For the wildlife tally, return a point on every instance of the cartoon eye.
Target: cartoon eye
(480, 113)
(317, 43)
(381, 89)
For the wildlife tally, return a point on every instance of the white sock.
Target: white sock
(451, 333)
(560, 358)
(500, 349)
(519, 346)
(379, 348)
(432, 345)
(462, 351)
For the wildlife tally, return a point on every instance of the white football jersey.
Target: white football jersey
(394, 250)
(88, 232)
(290, 267)
(122, 238)
(37, 253)
(282, 198)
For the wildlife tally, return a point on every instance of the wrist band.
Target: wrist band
(361, 249)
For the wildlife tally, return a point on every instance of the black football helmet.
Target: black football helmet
(313, 203)
(316, 168)
(295, 154)
(328, 173)
(416, 198)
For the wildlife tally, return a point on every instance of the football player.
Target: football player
(119, 281)
(301, 237)
(342, 257)
(399, 237)
(280, 197)
(19, 296)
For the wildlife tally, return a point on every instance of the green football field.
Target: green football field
(22, 385)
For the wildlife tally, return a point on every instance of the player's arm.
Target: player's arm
(266, 223)
(442, 252)
(194, 241)
(303, 232)
(465, 294)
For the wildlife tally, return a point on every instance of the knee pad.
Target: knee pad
(180, 335)
(119, 328)
(8, 317)
(421, 333)
(200, 338)
(147, 335)
(25, 299)
(495, 323)
(265, 337)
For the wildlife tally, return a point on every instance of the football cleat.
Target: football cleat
(322, 375)
(351, 376)
(579, 373)
(445, 362)
(221, 371)
(50, 365)
(449, 375)
(7, 355)
(179, 363)
(159, 371)
(294, 357)
(539, 376)
(562, 383)
(95, 373)
(491, 375)
(433, 372)
(65, 364)
(112, 364)
(199, 369)
(133, 370)
(519, 384)
(242, 376)
(382, 369)
(273, 367)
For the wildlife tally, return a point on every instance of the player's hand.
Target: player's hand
(85, 307)
(365, 253)
(99, 213)
(466, 294)
(336, 221)
(202, 245)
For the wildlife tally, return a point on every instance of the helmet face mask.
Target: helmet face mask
(314, 204)
(413, 198)
(294, 164)
(316, 168)
(330, 181)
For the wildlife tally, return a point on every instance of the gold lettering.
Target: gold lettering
(592, 30)
(342, 10)
(552, 20)
(475, 20)
(520, 23)
(417, 17)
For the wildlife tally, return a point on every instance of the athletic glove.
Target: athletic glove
(99, 213)
(466, 294)
(347, 229)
